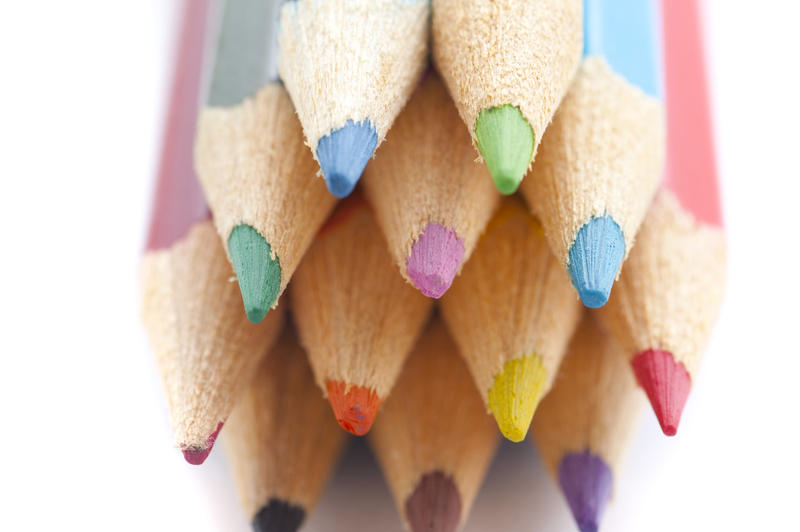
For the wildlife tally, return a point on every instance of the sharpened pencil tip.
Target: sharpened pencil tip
(434, 505)
(666, 383)
(197, 455)
(343, 154)
(515, 394)
(278, 516)
(586, 483)
(595, 258)
(258, 273)
(505, 140)
(434, 260)
(354, 406)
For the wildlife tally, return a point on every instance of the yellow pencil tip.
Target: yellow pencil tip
(515, 394)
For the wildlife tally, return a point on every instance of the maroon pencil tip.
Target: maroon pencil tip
(434, 505)
(197, 455)
(666, 383)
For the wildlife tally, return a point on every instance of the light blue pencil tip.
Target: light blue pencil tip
(595, 258)
(344, 153)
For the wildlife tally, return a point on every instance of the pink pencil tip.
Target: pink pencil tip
(198, 455)
(434, 260)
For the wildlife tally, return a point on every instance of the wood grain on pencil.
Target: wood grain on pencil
(356, 316)
(281, 441)
(350, 66)
(447, 198)
(585, 423)
(205, 347)
(434, 440)
(507, 64)
(512, 312)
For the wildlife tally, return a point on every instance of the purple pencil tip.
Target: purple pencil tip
(434, 260)
(586, 483)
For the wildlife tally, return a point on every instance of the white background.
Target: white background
(85, 442)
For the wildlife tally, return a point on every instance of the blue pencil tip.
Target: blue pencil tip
(595, 258)
(343, 154)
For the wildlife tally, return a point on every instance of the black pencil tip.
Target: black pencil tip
(278, 516)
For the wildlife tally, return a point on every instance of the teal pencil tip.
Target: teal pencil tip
(259, 274)
(505, 140)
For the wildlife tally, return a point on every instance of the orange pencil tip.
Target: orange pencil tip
(667, 384)
(354, 406)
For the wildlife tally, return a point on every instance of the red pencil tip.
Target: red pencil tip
(667, 384)
(197, 455)
(354, 406)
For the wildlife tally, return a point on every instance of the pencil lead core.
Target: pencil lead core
(586, 483)
(354, 406)
(667, 384)
(434, 505)
(258, 272)
(515, 394)
(343, 154)
(278, 516)
(197, 455)
(595, 258)
(434, 260)
(505, 140)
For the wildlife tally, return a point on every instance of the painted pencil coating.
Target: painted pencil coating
(627, 35)
(691, 166)
(178, 202)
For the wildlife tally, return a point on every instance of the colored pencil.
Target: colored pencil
(446, 200)
(257, 174)
(350, 66)
(507, 64)
(583, 426)
(357, 318)
(205, 348)
(601, 160)
(281, 442)
(434, 440)
(671, 288)
(512, 312)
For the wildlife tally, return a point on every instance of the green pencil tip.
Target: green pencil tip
(258, 273)
(505, 140)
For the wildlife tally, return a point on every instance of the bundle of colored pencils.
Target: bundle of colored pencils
(602, 103)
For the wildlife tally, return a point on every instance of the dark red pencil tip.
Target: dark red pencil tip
(434, 505)
(354, 406)
(197, 455)
(667, 384)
